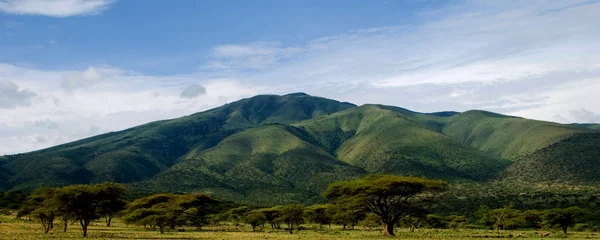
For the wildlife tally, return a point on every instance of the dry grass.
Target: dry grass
(11, 228)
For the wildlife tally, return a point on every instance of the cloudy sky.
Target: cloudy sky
(75, 68)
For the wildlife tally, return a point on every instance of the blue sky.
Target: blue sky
(159, 38)
(70, 69)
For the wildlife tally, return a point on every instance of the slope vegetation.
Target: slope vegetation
(381, 140)
(141, 152)
(271, 149)
(268, 165)
(573, 161)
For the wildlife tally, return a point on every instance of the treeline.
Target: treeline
(76, 203)
(376, 201)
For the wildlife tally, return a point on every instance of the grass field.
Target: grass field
(11, 228)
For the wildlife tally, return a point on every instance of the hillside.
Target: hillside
(141, 152)
(272, 149)
(380, 140)
(502, 136)
(271, 160)
(574, 160)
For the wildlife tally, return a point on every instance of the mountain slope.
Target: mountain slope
(271, 149)
(502, 136)
(505, 136)
(573, 160)
(386, 141)
(257, 163)
(141, 152)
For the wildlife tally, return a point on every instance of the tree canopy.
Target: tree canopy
(388, 196)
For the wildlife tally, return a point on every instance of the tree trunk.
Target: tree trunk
(46, 226)
(66, 222)
(52, 224)
(108, 220)
(161, 229)
(84, 226)
(388, 229)
(564, 228)
(497, 228)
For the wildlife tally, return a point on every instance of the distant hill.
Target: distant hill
(271, 149)
(573, 160)
(594, 126)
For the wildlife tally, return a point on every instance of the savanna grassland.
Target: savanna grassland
(12, 228)
(299, 160)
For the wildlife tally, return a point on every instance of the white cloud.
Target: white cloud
(55, 8)
(585, 116)
(538, 60)
(86, 78)
(11, 96)
(192, 91)
(259, 55)
(118, 100)
(503, 56)
(45, 123)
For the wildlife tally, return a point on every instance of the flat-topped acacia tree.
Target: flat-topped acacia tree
(389, 197)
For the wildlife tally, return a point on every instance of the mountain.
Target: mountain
(594, 126)
(502, 136)
(573, 160)
(383, 140)
(141, 152)
(270, 164)
(271, 149)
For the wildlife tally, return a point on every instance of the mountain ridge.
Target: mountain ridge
(288, 148)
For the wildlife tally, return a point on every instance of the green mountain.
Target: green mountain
(573, 160)
(273, 149)
(383, 140)
(274, 160)
(141, 152)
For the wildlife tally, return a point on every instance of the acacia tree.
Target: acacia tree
(292, 215)
(390, 197)
(42, 206)
(273, 216)
(138, 211)
(198, 208)
(110, 200)
(81, 202)
(563, 218)
(346, 213)
(504, 218)
(86, 203)
(318, 214)
(455, 221)
(170, 210)
(255, 219)
(414, 218)
(238, 214)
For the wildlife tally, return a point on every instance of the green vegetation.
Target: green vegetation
(141, 152)
(573, 160)
(380, 140)
(75, 203)
(373, 204)
(278, 150)
(389, 197)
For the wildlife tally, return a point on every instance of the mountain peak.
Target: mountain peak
(297, 94)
